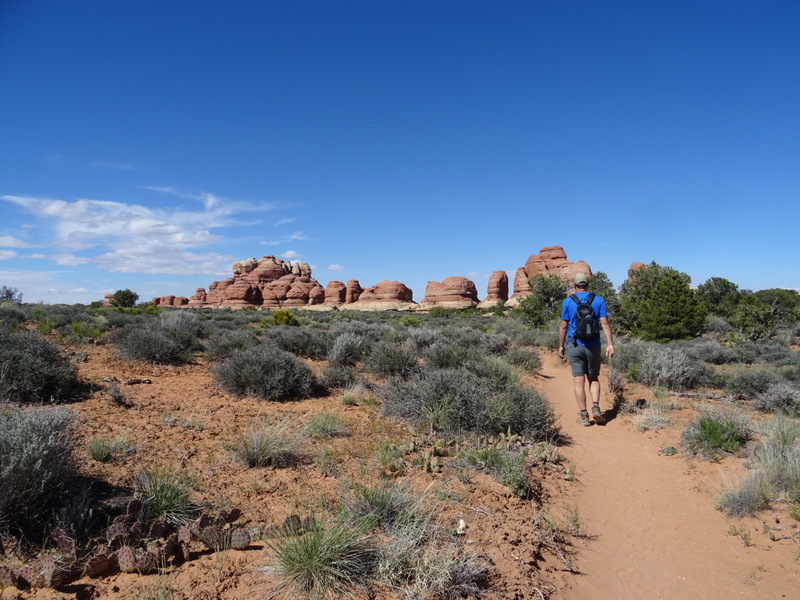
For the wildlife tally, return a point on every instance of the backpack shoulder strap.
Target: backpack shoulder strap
(575, 298)
(590, 298)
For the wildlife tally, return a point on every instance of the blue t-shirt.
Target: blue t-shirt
(569, 310)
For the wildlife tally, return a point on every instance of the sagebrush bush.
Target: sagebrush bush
(779, 397)
(36, 464)
(337, 376)
(527, 360)
(716, 430)
(11, 314)
(170, 338)
(222, 343)
(748, 384)
(447, 354)
(347, 349)
(459, 400)
(387, 358)
(300, 341)
(668, 367)
(748, 498)
(709, 351)
(265, 372)
(33, 369)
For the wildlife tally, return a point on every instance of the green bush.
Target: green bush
(34, 370)
(124, 298)
(11, 315)
(265, 372)
(527, 360)
(280, 317)
(171, 338)
(36, 465)
(716, 431)
(544, 302)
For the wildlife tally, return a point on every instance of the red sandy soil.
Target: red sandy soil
(652, 530)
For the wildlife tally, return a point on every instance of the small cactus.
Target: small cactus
(26, 576)
(117, 529)
(126, 559)
(184, 535)
(66, 545)
(214, 538)
(134, 508)
(53, 572)
(239, 539)
(159, 529)
(146, 561)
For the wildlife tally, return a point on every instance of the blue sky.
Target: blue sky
(149, 144)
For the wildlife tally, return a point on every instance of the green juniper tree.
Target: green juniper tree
(544, 303)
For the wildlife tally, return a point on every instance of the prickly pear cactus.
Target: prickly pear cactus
(240, 539)
(66, 545)
(146, 561)
(116, 530)
(26, 576)
(126, 559)
(53, 572)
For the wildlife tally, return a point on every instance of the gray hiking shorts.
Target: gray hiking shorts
(584, 360)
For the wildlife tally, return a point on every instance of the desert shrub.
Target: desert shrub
(268, 446)
(151, 344)
(11, 314)
(749, 497)
(300, 341)
(458, 401)
(782, 397)
(776, 464)
(223, 343)
(165, 495)
(326, 425)
(446, 354)
(506, 466)
(33, 369)
(36, 465)
(423, 337)
(387, 358)
(359, 394)
(338, 376)
(329, 560)
(527, 360)
(709, 351)
(521, 410)
(496, 343)
(749, 384)
(668, 367)
(716, 430)
(265, 372)
(544, 302)
(652, 417)
(719, 325)
(184, 326)
(82, 331)
(280, 317)
(347, 349)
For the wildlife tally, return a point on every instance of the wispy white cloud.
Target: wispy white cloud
(291, 255)
(134, 238)
(7, 254)
(7, 241)
(70, 260)
(36, 256)
(285, 221)
(297, 236)
(270, 243)
(335, 267)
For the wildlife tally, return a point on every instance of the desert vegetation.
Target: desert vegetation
(398, 420)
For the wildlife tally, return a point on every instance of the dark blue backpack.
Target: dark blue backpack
(587, 326)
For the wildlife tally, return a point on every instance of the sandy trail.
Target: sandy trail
(656, 534)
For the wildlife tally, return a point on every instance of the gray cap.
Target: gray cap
(580, 279)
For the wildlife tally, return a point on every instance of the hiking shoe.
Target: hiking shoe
(583, 419)
(597, 415)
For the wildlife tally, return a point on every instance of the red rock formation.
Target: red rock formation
(551, 260)
(199, 298)
(335, 293)
(452, 292)
(384, 295)
(497, 290)
(353, 292)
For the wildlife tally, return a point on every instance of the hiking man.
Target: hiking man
(581, 313)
